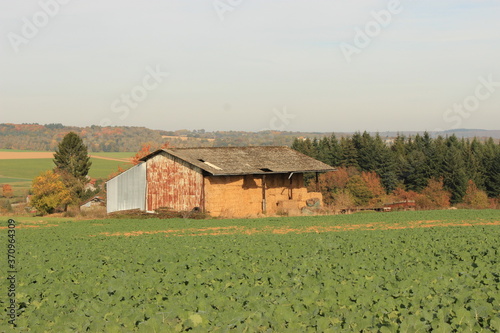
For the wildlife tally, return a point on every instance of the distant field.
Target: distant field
(20, 186)
(433, 271)
(103, 168)
(24, 168)
(9, 180)
(19, 167)
(30, 168)
(28, 154)
(118, 155)
(18, 151)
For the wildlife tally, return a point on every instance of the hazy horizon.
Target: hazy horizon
(310, 66)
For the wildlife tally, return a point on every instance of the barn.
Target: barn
(221, 181)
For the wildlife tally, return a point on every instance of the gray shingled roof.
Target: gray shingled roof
(220, 161)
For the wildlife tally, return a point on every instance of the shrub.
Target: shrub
(434, 196)
(359, 190)
(49, 192)
(7, 191)
(475, 198)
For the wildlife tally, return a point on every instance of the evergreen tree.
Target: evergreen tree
(400, 154)
(384, 164)
(367, 151)
(335, 153)
(348, 153)
(455, 177)
(72, 157)
(436, 154)
(473, 154)
(491, 160)
(304, 146)
(323, 150)
(427, 146)
(417, 172)
(493, 180)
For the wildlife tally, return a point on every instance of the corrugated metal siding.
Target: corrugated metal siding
(173, 183)
(127, 190)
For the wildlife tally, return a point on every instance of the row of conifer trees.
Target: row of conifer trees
(411, 162)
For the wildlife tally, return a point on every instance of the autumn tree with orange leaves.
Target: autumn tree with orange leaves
(347, 187)
(7, 191)
(400, 194)
(374, 184)
(434, 196)
(146, 149)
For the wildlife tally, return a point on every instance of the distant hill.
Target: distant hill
(477, 133)
(129, 139)
(460, 133)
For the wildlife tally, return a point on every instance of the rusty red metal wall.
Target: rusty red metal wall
(173, 183)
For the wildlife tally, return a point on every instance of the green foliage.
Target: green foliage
(5, 206)
(348, 153)
(72, 157)
(358, 188)
(409, 280)
(454, 173)
(493, 176)
(475, 198)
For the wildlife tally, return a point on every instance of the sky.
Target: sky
(251, 65)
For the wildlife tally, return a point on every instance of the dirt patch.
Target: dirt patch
(175, 232)
(243, 230)
(30, 226)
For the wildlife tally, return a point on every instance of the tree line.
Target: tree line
(128, 139)
(412, 163)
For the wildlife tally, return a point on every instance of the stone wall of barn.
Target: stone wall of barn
(241, 196)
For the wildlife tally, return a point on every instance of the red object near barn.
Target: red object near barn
(401, 205)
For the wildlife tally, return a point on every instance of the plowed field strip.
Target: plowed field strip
(243, 230)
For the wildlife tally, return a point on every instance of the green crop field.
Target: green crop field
(19, 173)
(435, 271)
(24, 168)
(30, 168)
(103, 154)
(103, 168)
(8, 180)
(119, 155)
